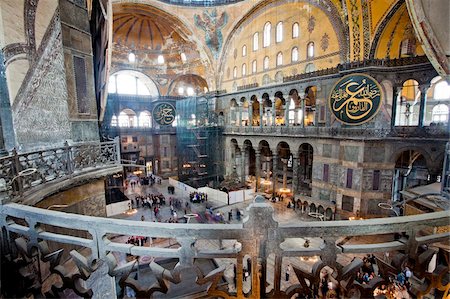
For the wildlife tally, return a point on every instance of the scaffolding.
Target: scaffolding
(199, 149)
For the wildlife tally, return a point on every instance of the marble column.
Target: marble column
(286, 115)
(285, 174)
(294, 175)
(240, 107)
(250, 114)
(302, 124)
(243, 166)
(274, 173)
(396, 91)
(257, 168)
(423, 99)
(274, 112)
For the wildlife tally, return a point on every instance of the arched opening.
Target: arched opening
(267, 110)
(128, 119)
(245, 112)
(132, 83)
(295, 112)
(145, 119)
(310, 106)
(266, 167)
(279, 109)
(305, 156)
(234, 112)
(410, 171)
(267, 33)
(255, 118)
(437, 103)
(408, 104)
(249, 162)
(188, 85)
(284, 169)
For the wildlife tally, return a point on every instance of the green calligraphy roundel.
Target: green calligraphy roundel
(355, 99)
(164, 114)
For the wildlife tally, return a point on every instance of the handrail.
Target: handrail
(54, 164)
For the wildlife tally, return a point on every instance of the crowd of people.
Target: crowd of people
(198, 197)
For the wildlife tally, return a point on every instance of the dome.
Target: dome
(143, 27)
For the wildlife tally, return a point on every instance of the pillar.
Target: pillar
(257, 168)
(274, 112)
(274, 172)
(261, 112)
(243, 150)
(240, 115)
(302, 124)
(423, 99)
(285, 174)
(396, 91)
(7, 139)
(250, 114)
(286, 114)
(294, 175)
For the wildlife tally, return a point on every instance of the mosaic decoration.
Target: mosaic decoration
(164, 114)
(391, 36)
(355, 99)
(212, 24)
(366, 27)
(325, 42)
(311, 23)
(355, 30)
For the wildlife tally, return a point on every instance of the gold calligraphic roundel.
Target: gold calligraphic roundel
(355, 99)
(164, 114)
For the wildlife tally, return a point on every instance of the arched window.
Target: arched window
(295, 115)
(145, 120)
(255, 41)
(183, 57)
(279, 59)
(294, 54)
(132, 83)
(310, 50)
(244, 50)
(127, 119)
(114, 121)
(266, 63)
(254, 69)
(408, 104)
(440, 113)
(279, 32)
(442, 91)
(310, 68)
(244, 70)
(267, 32)
(295, 30)
(235, 72)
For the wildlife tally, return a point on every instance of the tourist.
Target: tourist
(288, 272)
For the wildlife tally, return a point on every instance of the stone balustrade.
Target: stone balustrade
(353, 133)
(24, 173)
(32, 232)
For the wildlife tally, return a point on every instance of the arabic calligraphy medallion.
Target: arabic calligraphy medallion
(355, 99)
(164, 114)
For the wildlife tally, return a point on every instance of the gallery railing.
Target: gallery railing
(425, 132)
(33, 235)
(21, 172)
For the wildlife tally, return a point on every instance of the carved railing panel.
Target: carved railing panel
(267, 243)
(21, 172)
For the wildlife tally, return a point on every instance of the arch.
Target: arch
(143, 84)
(127, 118)
(310, 50)
(408, 104)
(279, 32)
(329, 214)
(255, 117)
(295, 30)
(244, 70)
(188, 85)
(244, 50)
(266, 63)
(280, 59)
(267, 32)
(255, 41)
(312, 208)
(145, 119)
(254, 67)
(266, 79)
(439, 113)
(310, 105)
(294, 54)
(305, 161)
(249, 158)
